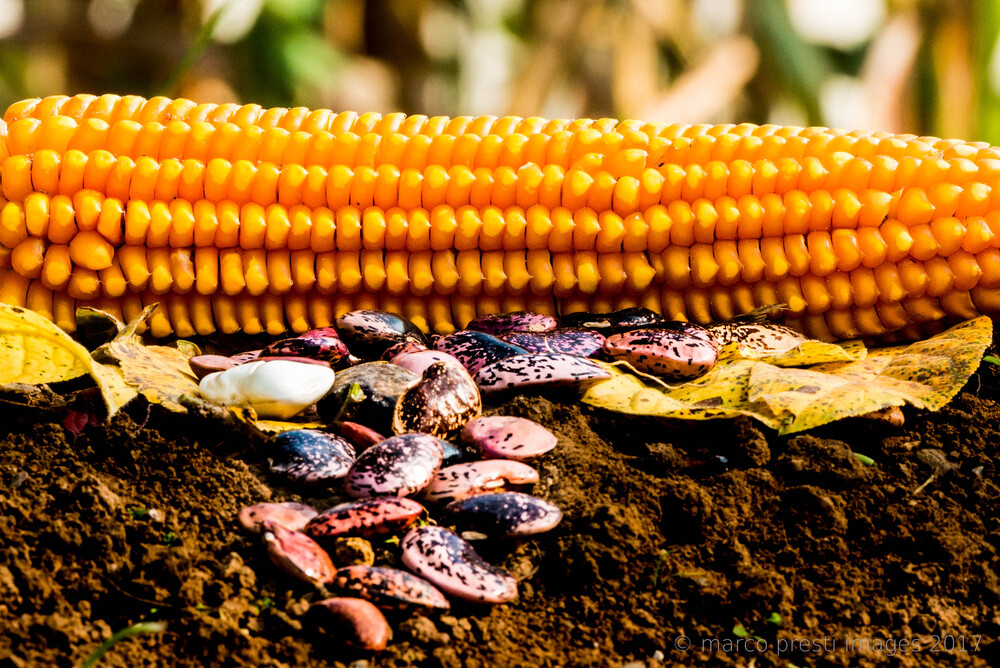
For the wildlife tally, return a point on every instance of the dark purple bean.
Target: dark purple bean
(368, 333)
(328, 349)
(503, 514)
(477, 349)
(518, 321)
(398, 466)
(569, 340)
(311, 455)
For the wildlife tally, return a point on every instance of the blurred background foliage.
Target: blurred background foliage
(921, 66)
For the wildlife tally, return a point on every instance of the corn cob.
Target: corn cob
(240, 218)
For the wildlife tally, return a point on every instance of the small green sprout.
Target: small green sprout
(139, 513)
(141, 627)
(170, 539)
(659, 563)
(355, 396)
(740, 631)
(992, 359)
(773, 618)
(864, 459)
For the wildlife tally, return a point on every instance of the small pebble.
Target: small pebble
(353, 550)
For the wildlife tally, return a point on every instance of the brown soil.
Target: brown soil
(663, 552)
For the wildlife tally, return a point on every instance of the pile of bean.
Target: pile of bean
(404, 419)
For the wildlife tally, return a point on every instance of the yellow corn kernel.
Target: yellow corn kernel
(13, 228)
(57, 267)
(27, 257)
(113, 281)
(84, 284)
(91, 250)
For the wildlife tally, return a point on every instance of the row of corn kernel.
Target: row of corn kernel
(493, 273)
(193, 313)
(110, 109)
(203, 141)
(840, 322)
(208, 269)
(619, 155)
(623, 154)
(187, 314)
(94, 224)
(179, 223)
(818, 254)
(819, 168)
(24, 178)
(242, 181)
(682, 262)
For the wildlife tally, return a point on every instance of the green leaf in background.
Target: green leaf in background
(801, 67)
(985, 45)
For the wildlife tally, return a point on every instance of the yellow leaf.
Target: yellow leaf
(160, 373)
(926, 374)
(278, 426)
(34, 350)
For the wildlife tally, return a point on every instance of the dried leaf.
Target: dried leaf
(187, 348)
(33, 350)
(926, 374)
(160, 373)
(95, 327)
